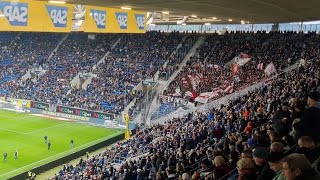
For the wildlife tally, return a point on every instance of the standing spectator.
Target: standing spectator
(310, 124)
(221, 168)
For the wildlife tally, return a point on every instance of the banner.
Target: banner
(111, 20)
(37, 16)
(20, 102)
(270, 69)
(260, 66)
(40, 105)
(85, 113)
(96, 19)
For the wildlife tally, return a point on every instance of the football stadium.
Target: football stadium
(164, 90)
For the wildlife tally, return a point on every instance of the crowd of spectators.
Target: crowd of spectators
(281, 48)
(138, 57)
(175, 59)
(270, 133)
(22, 52)
(135, 58)
(76, 54)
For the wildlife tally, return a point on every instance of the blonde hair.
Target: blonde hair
(245, 163)
(219, 161)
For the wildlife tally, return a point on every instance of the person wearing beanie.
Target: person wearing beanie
(275, 162)
(263, 170)
(310, 124)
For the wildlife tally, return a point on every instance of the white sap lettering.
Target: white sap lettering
(24, 13)
(13, 13)
(140, 21)
(122, 19)
(99, 18)
(59, 16)
(53, 15)
(64, 17)
(7, 10)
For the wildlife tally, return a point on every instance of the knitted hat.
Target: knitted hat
(275, 156)
(314, 95)
(260, 152)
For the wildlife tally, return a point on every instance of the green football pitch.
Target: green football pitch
(25, 133)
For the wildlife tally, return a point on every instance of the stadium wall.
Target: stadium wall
(102, 122)
(72, 156)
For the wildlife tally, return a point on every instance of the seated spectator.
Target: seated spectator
(297, 167)
(234, 158)
(206, 168)
(171, 173)
(246, 169)
(185, 176)
(276, 147)
(307, 147)
(248, 129)
(246, 154)
(263, 170)
(275, 162)
(221, 168)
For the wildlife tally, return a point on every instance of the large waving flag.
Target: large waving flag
(242, 59)
(270, 69)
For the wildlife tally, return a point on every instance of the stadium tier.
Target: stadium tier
(247, 134)
(236, 99)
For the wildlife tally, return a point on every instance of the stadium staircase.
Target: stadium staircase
(33, 73)
(137, 115)
(156, 76)
(102, 60)
(38, 72)
(17, 36)
(164, 84)
(82, 80)
(55, 50)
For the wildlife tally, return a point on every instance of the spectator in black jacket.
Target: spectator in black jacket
(307, 147)
(310, 124)
(263, 170)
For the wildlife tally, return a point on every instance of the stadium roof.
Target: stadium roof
(253, 11)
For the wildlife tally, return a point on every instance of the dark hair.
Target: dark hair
(297, 161)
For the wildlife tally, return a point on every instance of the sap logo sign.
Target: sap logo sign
(122, 19)
(58, 15)
(140, 21)
(99, 18)
(17, 13)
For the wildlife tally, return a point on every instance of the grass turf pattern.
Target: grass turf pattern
(25, 133)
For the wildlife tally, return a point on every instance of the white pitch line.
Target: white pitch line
(17, 132)
(31, 132)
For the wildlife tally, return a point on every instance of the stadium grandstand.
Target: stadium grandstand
(164, 90)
